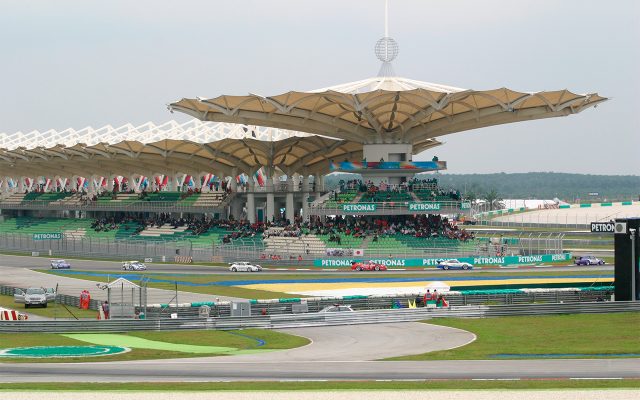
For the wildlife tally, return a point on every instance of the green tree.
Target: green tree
(493, 199)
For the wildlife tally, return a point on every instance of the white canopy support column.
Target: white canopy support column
(270, 186)
(251, 202)
(305, 196)
(234, 182)
(289, 208)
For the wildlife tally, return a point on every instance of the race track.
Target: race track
(116, 266)
(336, 353)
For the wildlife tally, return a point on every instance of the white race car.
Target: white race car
(60, 264)
(133, 266)
(454, 264)
(244, 266)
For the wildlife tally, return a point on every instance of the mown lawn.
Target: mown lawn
(52, 311)
(234, 291)
(245, 339)
(588, 334)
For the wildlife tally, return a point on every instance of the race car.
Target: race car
(60, 264)
(133, 266)
(588, 260)
(244, 266)
(367, 266)
(453, 264)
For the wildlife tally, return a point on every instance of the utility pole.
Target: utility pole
(633, 265)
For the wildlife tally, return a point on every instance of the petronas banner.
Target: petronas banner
(425, 206)
(359, 207)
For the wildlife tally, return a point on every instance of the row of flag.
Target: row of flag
(141, 182)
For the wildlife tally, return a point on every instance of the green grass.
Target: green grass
(52, 311)
(327, 386)
(232, 291)
(240, 339)
(555, 334)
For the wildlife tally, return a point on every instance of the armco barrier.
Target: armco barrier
(316, 319)
(285, 306)
(360, 303)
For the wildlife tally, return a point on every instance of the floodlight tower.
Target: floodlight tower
(386, 48)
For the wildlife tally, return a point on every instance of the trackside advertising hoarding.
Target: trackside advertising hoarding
(432, 262)
(47, 236)
(425, 206)
(359, 207)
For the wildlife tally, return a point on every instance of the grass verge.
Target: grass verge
(53, 310)
(588, 334)
(328, 386)
(224, 289)
(246, 339)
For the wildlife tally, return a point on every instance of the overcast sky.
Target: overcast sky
(91, 63)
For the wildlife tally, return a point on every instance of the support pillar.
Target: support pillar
(251, 205)
(270, 186)
(234, 183)
(289, 209)
(305, 183)
(305, 206)
(316, 184)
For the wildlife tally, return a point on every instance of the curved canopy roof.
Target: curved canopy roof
(388, 109)
(192, 147)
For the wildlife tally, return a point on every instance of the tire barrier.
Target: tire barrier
(7, 314)
(184, 259)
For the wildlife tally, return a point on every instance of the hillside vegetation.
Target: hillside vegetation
(541, 185)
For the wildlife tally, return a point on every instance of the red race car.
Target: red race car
(367, 266)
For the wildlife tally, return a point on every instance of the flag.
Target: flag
(259, 175)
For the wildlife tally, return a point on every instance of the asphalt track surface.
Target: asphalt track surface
(116, 266)
(336, 353)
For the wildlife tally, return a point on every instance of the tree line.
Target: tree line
(531, 185)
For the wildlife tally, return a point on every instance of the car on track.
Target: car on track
(244, 266)
(34, 296)
(588, 260)
(337, 308)
(133, 266)
(60, 264)
(453, 263)
(367, 266)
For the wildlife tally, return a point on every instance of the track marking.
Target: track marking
(588, 378)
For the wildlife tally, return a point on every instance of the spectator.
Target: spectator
(105, 309)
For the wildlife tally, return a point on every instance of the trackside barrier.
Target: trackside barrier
(315, 319)
(359, 302)
(183, 259)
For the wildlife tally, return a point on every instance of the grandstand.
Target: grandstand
(248, 172)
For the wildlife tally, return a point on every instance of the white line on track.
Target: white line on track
(590, 378)
(496, 379)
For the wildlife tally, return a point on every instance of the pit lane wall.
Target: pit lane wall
(432, 262)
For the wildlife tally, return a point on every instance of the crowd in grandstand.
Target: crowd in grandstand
(428, 187)
(424, 226)
(420, 226)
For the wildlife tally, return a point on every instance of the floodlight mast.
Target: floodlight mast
(386, 48)
(386, 18)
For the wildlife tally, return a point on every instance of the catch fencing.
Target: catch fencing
(255, 250)
(359, 303)
(316, 319)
